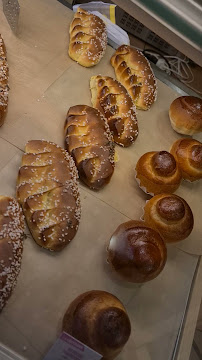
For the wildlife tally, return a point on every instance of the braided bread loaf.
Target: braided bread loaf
(99, 320)
(48, 192)
(89, 141)
(3, 81)
(133, 71)
(170, 215)
(88, 38)
(188, 154)
(11, 246)
(158, 172)
(113, 100)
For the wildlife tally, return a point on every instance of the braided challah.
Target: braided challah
(48, 192)
(89, 141)
(88, 38)
(134, 72)
(3, 81)
(113, 100)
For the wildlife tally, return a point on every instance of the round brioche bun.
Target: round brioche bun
(186, 115)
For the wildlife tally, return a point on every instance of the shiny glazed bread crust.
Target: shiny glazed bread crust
(88, 38)
(186, 115)
(11, 246)
(3, 81)
(136, 252)
(113, 100)
(89, 141)
(134, 72)
(188, 154)
(47, 189)
(170, 215)
(158, 172)
(99, 320)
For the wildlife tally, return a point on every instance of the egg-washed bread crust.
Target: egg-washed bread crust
(47, 189)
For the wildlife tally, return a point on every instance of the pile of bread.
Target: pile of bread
(48, 191)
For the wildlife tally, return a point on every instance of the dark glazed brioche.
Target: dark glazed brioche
(99, 320)
(136, 252)
(89, 141)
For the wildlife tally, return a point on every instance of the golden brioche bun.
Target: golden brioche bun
(186, 115)
(188, 154)
(158, 172)
(170, 215)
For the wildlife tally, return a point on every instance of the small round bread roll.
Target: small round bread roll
(170, 215)
(99, 320)
(186, 115)
(136, 252)
(188, 154)
(158, 172)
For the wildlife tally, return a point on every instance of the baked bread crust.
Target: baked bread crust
(136, 252)
(134, 72)
(158, 172)
(113, 100)
(47, 189)
(3, 81)
(188, 154)
(11, 246)
(89, 141)
(88, 38)
(99, 320)
(186, 115)
(170, 215)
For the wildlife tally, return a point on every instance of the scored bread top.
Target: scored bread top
(48, 192)
(89, 141)
(88, 38)
(133, 71)
(3, 81)
(11, 245)
(113, 100)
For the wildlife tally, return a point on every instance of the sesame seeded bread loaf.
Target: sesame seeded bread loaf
(113, 100)
(88, 38)
(89, 141)
(47, 189)
(133, 71)
(3, 81)
(11, 245)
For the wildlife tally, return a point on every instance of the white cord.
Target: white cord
(178, 66)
